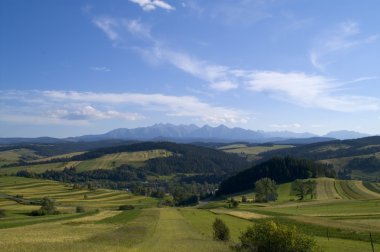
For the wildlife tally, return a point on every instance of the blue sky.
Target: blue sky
(76, 67)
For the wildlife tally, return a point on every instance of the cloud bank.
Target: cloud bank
(84, 107)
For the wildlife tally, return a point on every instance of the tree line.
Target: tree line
(279, 169)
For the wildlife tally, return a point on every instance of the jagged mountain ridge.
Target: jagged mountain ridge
(192, 132)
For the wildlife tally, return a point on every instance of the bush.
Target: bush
(80, 209)
(244, 199)
(126, 207)
(47, 208)
(221, 231)
(232, 203)
(2, 213)
(270, 236)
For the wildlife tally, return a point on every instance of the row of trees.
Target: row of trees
(330, 149)
(134, 180)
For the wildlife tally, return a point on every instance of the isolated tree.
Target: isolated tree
(244, 199)
(270, 236)
(221, 231)
(304, 188)
(266, 190)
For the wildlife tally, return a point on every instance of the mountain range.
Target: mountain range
(192, 133)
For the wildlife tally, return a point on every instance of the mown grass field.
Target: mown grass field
(13, 156)
(346, 210)
(109, 161)
(253, 152)
(347, 219)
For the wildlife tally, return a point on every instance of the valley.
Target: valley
(104, 227)
(157, 182)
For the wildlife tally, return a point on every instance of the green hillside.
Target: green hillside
(109, 161)
(251, 152)
(103, 228)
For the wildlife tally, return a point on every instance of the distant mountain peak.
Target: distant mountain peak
(345, 134)
(205, 133)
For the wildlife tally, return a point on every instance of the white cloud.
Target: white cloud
(108, 26)
(89, 106)
(169, 105)
(309, 91)
(150, 5)
(345, 36)
(219, 77)
(90, 113)
(100, 69)
(286, 126)
(224, 85)
(136, 28)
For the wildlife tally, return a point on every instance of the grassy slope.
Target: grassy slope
(67, 199)
(16, 155)
(113, 160)
(108, 230)
(105, 162)
(348, 208)
(186, 229)
(252, 153)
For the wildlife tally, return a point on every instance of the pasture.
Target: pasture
(109, 161)
(251, 152)
(340, 219)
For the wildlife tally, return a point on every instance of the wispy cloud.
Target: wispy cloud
(226, 12)
(309, 91)
(343, 37)
(100, 69)
(219, 77)
(286, 126)
(150, 5)
(90, 113)
(108, 26)
(302, 89)
(58, 106)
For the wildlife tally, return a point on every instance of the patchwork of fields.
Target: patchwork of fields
(337, 220)
(109, 161)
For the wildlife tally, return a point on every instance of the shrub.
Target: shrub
(270, 236)
(232, 203)
(221, 231)
(47, 208)
(80, 209)
(126, 207)
(244, 199)
(2, 213)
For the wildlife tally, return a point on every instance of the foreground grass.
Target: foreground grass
(202, 221)
(174, 232)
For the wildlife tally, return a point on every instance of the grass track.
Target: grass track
(173, 231)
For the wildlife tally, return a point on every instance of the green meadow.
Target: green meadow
(252, 152)
(109, 161)
(340, 219)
